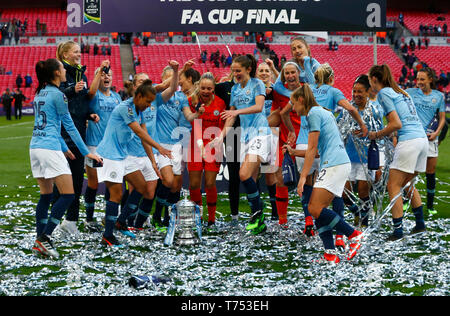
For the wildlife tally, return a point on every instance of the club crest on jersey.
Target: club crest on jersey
(65, 99)
(434, 100)
(216, 112)
(130, 112)
(248, 92)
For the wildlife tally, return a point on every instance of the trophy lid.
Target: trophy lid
(185, 202)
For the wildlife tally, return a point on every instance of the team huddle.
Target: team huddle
(257, 118)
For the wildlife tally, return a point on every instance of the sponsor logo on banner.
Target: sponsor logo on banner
(92, 12)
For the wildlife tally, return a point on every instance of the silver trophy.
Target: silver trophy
(184, 216)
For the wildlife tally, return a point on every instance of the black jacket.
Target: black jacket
(78, 102)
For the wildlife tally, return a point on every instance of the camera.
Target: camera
(106, 69)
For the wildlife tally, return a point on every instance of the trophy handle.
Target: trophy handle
(198, 222)
(168, 240)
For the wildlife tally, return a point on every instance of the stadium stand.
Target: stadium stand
(155, 57)
(414, 19)
(348, 62)
(54, 19)
(22, 60)
(437, 57)
(49, 21)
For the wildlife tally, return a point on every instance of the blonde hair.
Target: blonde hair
(196, 92)
(323, 74)
(63, 48)
(306, 93)
(166, 70)
(384, 76)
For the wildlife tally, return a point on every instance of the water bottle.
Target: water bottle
(373, 156)
(288, 170)
(141, 281)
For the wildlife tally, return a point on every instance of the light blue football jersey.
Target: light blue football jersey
(51, 109)
(327, 96)
(304, 131)
(135, 147)
(243, 97)
(331, 148)
(427, 105)
(406, 110)
(103, 106)
(168, 119)
(118, 134)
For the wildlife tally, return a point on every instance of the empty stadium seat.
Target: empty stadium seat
(22, 60)
(413, 19)
(348, 62)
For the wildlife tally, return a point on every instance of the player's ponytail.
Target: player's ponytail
(384, 76)
(45, 72)
(306, 93)
(323, 74)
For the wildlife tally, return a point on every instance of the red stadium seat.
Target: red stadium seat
(22, 60)
(348, 62)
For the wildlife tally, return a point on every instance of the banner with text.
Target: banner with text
(95, 16)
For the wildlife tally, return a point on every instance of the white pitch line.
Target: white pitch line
(15, 137)
(18, 124)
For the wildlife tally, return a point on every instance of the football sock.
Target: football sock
(89, 203)
(431, 186)
(329, 220)
(398, 226)
(338, 208)
(272, 192)
(307, 191)
(143, 212)
(111, 212)
(130, 206)
(161, 200)
(418, 213)
(211, 201)
(253, 196)
(57, 212)
(42, 212)
(196, 196)
(282, 200)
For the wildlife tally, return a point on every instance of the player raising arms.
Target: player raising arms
(126, 120)
(170, 134)
(103, 103)
(325, 139)
(410, 156)
(429, 103)
(48, 163)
